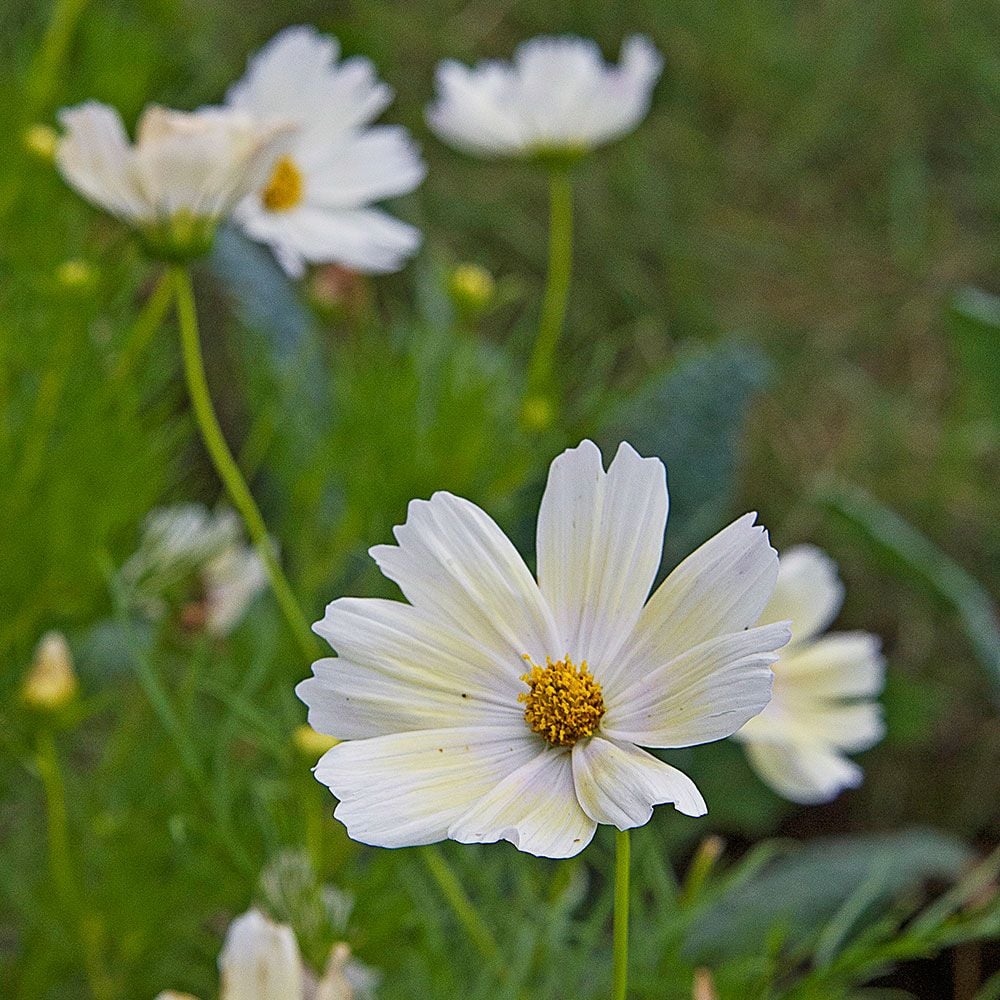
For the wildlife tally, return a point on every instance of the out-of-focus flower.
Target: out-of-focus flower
(314, 205)
(51, 682)
(471, 289)
(558, 99)
(822, 708)
(260, 960)
(41, 141)
(492, 706)
(179, 179)
(188, 551)
(76, 275)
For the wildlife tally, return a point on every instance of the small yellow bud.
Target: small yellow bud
(537, 414)
(51, 682)
(311, 744)
(76, 275)
(471, 288)
(41, 141)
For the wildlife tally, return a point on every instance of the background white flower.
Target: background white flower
(196, 165)
(558, 96)
(821, 708)
(314, 205)
(451, 734)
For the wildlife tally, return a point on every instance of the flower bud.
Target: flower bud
(704, 986)
(51, 682)
(40, 140)
(311, 744)
(537, 414)
(471, 289)
(76, 275)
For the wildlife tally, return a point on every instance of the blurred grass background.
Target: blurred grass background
(815, 184)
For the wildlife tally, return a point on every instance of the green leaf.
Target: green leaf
(974, 318)
(920, 557)
(692, 417)
(802, 891)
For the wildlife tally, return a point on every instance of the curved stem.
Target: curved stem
(225, 464)
(557, 282)
(619, 972)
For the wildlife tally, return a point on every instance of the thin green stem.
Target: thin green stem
(460, 903)
(51, 56)
(557, 282)
(225, 464)
(148, 321)
(619, 968)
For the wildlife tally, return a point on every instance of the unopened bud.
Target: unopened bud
(76, 275)
(471, 288)
(311, 744)
(537, 414)
(41, 141)
(51, 682)
(704, 986)
(338, 293)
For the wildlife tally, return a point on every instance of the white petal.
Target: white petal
(804, 774)
(364, 240)
(808, 592)
(535, 808)
(362, 168)
(619, 784)
(600, 540)
(454, 562)
(259, 961)
(407, 789)
(95, 158)
(720, 588)
(702, 695)
(842, 665)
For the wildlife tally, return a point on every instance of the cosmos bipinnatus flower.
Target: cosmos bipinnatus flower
(557, 99)
(491, 706)
(260, 960)
(822, 708)
(183, 174)
(314, 206)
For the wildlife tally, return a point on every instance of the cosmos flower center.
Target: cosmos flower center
(564, 703)
(285, 188)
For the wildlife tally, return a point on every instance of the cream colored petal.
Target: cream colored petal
(453, 561)
(600, 540)
(841, 665)
(260, 960)
(720, 588)
(803, 773)
(702, 695)
(618, 784)
(171, 995)
(407, 789)
(535, 808)
(808, 592)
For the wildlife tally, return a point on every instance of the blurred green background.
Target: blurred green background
(782, 286)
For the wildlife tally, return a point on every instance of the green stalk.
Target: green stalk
(619, 968)
(49, 61)
(225, 464)
(557, 282)
(146, 324)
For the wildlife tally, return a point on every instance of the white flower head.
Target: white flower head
(822, 708)
(491, 706)
(558, 98)
(315, 204)
(188, 543)
(183, 174)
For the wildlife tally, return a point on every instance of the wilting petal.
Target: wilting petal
(535, 808)
(619, 784)
(808, 592)
(600, 540)
(702, 695)
(406, 789)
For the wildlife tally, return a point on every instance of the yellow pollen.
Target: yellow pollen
(284, 190)
(564, 702)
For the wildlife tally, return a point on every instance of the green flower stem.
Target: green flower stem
(50, 59)
(225, 464)
(557, 282)
(148, 321)
(61, 860)
(619, 969)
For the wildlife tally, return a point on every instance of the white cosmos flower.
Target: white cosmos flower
(450, 733)
(260, 960)
(182, 175)
(314, 207)
(557, 97)
(823, 685)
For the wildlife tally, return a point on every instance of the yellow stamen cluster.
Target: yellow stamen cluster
(564, 703)
(285, 188)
